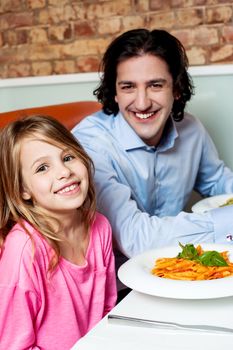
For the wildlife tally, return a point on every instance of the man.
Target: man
(149, 154)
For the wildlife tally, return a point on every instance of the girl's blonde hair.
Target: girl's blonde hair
(13, 208)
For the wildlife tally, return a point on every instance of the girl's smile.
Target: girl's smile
(69, 189)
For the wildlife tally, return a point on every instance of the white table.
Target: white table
(217, 312)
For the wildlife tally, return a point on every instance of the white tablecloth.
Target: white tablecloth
(217, 312)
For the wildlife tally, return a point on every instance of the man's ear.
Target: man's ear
(26, 195)
(176, 96)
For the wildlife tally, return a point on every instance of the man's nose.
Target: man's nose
(142, 100)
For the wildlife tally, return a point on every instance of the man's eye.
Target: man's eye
(68, 158)
(157, 86)
(126, 87)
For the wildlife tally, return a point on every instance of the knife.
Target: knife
(139, 322)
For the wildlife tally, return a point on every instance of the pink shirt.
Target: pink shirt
(47, 314)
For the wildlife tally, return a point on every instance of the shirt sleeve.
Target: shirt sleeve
(214, 177)
(136, 231)
(223, 222)
(17, 315)
(19, 300)
(109, 260)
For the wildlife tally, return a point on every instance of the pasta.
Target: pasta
(228, 202)
(184, 269)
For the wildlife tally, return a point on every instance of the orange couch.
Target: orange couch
(68, 114)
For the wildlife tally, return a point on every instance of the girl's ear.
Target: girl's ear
(116, 99)
(26, 195)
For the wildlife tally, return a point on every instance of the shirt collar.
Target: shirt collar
(169, 136)
(130, 140)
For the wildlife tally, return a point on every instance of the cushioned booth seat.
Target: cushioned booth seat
(68, 114)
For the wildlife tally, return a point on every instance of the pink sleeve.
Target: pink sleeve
(19, 300)
(18, 310)
(111, 292)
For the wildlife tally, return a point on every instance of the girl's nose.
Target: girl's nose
(142, 100)
(62, 171)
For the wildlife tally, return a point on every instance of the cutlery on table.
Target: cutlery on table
(138, 322)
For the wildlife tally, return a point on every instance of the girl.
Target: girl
(57, 277)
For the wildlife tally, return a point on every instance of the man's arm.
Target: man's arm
(214, 177)
(136, 231)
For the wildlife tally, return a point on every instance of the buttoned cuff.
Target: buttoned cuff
(223, 224)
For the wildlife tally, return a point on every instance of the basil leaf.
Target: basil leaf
(189, 252)
(209, 258)
(212, 258)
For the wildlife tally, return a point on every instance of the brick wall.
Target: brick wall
(44, 37)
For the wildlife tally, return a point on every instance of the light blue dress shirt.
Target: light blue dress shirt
(143, 190)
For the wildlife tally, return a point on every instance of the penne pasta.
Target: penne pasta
(228, 202)
(192, 270)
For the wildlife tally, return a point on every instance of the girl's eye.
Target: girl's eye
(68, 158)
(41, 168)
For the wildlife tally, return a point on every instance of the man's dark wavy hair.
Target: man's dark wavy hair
(138, 42)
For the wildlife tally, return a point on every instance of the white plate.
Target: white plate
(210, 203)
(136, 274)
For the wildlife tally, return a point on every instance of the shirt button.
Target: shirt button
(229, 237)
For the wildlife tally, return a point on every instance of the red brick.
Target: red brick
(16, 20)
(65, 36)
(4, 73)
(218, 14)
(104, 26)
(177, 3)
(56, 15)
(197, 56)
(80, 11)
(7, 55)
(84, 48)
(108, 9)
(64, 67)
(88, 64)
(181, 3)
(41, 51)
(205, 36)
(199, 2)
(9, 5)
(141, 5)
(55, 2)
(189, 17)
(186, 36)
(35, 4)
(19, 70)
(161, 20)
(60, 32)
(227, 34)
(221, 54)
(84, 28)
(41, 68)
(132, 22)
(15, 37)
(38, 35)
(156, 5)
